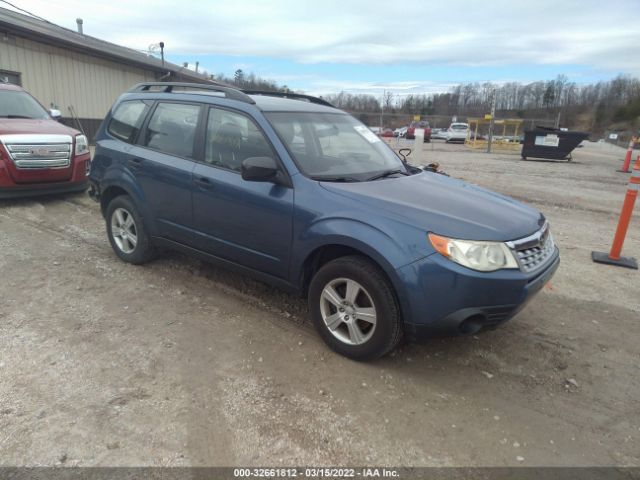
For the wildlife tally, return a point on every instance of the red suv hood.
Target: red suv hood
(10, 126)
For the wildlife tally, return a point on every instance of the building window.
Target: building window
(10, 77)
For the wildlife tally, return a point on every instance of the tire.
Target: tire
(131, 242)
(355, 338)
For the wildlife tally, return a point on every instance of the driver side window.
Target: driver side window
(231, 138)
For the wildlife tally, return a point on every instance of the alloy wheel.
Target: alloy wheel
(348, 311)
(123, 230)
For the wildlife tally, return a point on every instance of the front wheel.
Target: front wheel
(127, 234)
(354, 308)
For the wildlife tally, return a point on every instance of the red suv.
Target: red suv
(411, 130)
(38, 155)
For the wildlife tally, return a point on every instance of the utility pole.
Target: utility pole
(384, 92)
(493, 112)
(558, 120)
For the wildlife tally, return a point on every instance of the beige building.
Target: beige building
(75, 73)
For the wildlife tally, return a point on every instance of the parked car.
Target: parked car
(400, 132)
(457, 132)
(38, 155)
(387, 132)
(439, 133)
(411, 130)
(303, 196)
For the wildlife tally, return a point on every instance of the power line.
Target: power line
(25, 11)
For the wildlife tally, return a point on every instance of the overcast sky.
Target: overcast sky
(325, 46)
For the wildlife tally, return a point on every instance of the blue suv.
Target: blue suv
(303, 196)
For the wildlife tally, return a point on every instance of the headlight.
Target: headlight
(82, 146)
(481, 256)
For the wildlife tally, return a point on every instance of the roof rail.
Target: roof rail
(294, 96)
(167, 87)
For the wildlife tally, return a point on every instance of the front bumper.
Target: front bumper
(43, 189)
(45, 184)
(444, 298)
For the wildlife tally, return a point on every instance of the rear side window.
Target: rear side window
(172, 129)
(127, 120)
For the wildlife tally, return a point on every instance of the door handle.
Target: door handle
(135, 163)
(203, 182)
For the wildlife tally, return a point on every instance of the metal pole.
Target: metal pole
(382, 110)
(493, 112)
(162, 52)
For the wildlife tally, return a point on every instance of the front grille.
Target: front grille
(535, 251)
(38, 151)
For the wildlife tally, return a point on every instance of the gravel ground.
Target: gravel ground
(181, 363)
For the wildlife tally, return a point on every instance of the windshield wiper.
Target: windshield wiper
(333, 178)
(387, 173)
(16, 116)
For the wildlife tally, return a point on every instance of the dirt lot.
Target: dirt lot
(180, 363)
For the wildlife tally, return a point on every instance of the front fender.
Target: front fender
(381, 247)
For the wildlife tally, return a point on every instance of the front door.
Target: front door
(249, 223)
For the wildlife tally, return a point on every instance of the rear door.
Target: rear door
(249, 223)
(163, 161)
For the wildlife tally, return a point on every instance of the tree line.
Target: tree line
(250, 82)
(599, 104)
(594, 105)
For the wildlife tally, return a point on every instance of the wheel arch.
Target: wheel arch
(108, 194)
(124, 184)
(323, 254)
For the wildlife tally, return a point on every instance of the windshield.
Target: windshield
(17, 104)
(333, 146)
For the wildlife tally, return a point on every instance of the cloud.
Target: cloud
(599, 35)
(417, 87)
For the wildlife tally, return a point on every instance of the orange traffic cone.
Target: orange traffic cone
(627, 158)
(613, 257)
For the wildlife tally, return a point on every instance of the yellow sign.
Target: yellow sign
(487, 116)
(416, 118)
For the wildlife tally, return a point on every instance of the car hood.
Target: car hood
(10, 126)
(439, 204)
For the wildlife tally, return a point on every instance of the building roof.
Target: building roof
(42, 30)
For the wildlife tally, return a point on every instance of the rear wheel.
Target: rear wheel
(354, 309)
(126, 231)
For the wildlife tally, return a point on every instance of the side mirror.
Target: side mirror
(55, 114)
(259, 169)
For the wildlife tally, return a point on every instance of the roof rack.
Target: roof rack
(167, 87)
(294, 96)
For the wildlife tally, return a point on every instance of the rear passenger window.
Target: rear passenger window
(232, 138)
(127, 119)
(172, 129)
